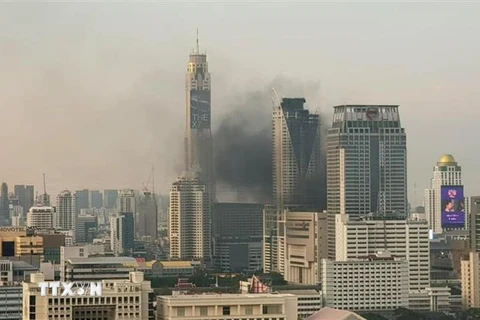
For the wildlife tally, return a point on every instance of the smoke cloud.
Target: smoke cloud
(243, 142)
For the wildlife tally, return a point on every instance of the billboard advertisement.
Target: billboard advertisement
(453, 207)
(199, 109)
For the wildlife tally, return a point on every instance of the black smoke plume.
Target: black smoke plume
(243, 143)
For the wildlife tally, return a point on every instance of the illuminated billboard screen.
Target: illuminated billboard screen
(453, 207)
(199, 109)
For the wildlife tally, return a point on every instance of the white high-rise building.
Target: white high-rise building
(366, 163)
(447, 175)
(65, 215)
(362, 236)
(41, 218)
(190, 219)
(126, 201)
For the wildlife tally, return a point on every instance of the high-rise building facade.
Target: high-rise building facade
(296, 154)
(110, 198)
(66, 214)
(366, 163)
(122, 224)
(146, 224)
(95, 199)
(296, 175)
(475, 223)
(360, 236)
(4, 205)
(82, 200)
(198, 135)
(444, 210)
(470, 275)
(189, 224)
(238, 234)
(41, 218)
(25, 196)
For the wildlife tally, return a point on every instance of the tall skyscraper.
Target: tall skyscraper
(110, 198)
(82, 200)
(198, 135)
(26, 197)
(296, 164)
(296, 154)
(445, 203)
(95, 199)
(66, 214)
(147, 215)
(122, 226)
(475, 223)
(4, 205)
(366, 163)
(190, 219)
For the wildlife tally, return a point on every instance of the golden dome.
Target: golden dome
(447, 159)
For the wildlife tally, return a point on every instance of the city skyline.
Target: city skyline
(147, 84)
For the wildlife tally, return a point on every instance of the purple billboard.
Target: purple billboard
(453, 207)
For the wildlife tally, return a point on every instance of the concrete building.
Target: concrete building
(21, 242)
(42, 218)
(110, 198)
(238, 234)
(4, 205)
(306, 244)
(66, 212)
(366, 163)
(375, 283)
(122, 233)
(95, 199)
(223, 306)
(146, 224)
(52, 242)
(26, 197)
(84, 251)
(129, 298)
(198, 133)
(190, 219)
(471, 280)
(98, 268)
(82, 200)
(475, 223)
(11, 301)
(309, 301)
(365, 235)
(86, 229)
(446, 173)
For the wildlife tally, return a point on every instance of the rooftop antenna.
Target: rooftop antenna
(44, 185)
(198, 46)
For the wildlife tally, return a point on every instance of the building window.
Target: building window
(181, 311)
(226, 311)
(248, 310)
(204, 311)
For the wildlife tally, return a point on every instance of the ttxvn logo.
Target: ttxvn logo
(71, 289)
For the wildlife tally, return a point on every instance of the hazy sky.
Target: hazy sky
(93, 93)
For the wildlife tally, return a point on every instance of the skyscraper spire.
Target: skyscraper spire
(198, 46)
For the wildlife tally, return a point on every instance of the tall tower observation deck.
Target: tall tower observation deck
(198, 135)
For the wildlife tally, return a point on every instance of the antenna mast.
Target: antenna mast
(44, 185)
(198, 46)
